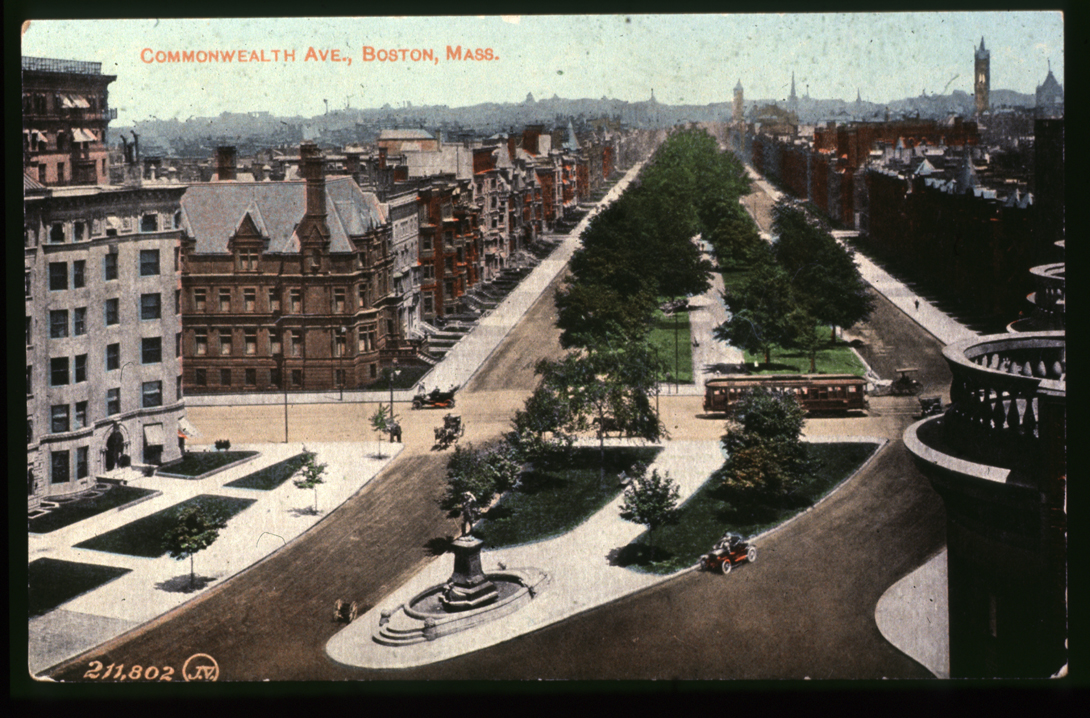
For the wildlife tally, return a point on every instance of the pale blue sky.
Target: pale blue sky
(684, 58)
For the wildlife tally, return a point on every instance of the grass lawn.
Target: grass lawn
(53, 582)
(70, 512)
(270, 477)
(553, 500)
(835, 358)
(707, 515)
(662, 339)
(144, 537)
(202, 462)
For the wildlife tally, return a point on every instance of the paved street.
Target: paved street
(807, 609)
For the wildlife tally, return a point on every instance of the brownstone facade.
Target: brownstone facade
(286, 285)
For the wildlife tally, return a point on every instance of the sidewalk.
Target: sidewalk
(466, 357)
(154, 586)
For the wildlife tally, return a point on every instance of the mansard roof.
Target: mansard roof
(213, 212)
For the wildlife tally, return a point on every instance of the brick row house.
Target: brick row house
(66, 114)
(286, 285)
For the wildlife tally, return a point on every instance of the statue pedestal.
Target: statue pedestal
(468, 587)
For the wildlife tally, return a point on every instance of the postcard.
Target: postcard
(528, 347)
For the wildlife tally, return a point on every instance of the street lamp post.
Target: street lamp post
(393, 372)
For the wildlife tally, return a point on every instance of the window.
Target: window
(275, 347)
(58, 324)
(113, 312)
(151, 393)
(225, 341)
(79, 274)
(109, 267)
(177, 301)
(80, 368)
(149, 262)
(251, 377)
(363, 296)
(225, 377)
(58, 467)
(296, 377)
(29, 331)
(339, 303)
(58, 371)
(81, 462)
(249, 299)
(79, 321)
(177, 344)
(151, 306)
(113, 402)
(81, 414)
(56, 233)
(59, 418)
(29, 430)
(58, 276)
(200, 300)
(339, 345)
(225, 300)
(274, 378)
(339, 377)
(274, 301)
(151, 350)
(113, 356)
(150, 223)
(177, 257)
(247, 261)
(296, 344)
(200, 377)
(251, 342)
(29, 377)
(79, 230)
(296, 301)
(200, 336)
(425, 242)
(26, 284)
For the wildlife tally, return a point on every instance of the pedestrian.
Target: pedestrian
(917, 305)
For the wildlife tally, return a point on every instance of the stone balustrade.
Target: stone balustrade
(997, 381)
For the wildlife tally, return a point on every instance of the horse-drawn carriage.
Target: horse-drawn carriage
(906, 384)
(451, 430)
(435, 399)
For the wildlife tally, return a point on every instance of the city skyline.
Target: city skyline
(682, 59)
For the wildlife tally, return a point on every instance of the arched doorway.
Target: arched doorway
(115, 448)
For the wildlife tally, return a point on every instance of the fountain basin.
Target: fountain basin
(424, 617)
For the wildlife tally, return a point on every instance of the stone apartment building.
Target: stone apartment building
(66, 113)
(103, 329)
(287, 285)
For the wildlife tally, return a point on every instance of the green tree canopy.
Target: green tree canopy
(765, 455)
(485, 473)
(758, 308)
(650, 500)
(310, 475)
(823, 273)
(195, 529)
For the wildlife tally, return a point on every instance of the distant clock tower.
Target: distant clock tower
(737, 114)
(982, 78)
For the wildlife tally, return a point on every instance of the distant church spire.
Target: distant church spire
(982, 78)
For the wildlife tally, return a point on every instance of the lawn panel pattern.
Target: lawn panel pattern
(204, 462)
(53, 582)
(706, 516)
(270, 477)
(70, 512)
(144, 537)
(552, 500)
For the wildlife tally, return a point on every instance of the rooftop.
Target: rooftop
(47, 64)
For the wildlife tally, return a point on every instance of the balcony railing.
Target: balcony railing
(995, 414)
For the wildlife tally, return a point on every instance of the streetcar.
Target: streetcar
(815, 393)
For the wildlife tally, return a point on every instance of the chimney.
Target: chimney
(225, 163)
(314, 173)
(382, 158)
(352, 162)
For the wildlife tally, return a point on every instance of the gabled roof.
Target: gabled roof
(213, 212)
